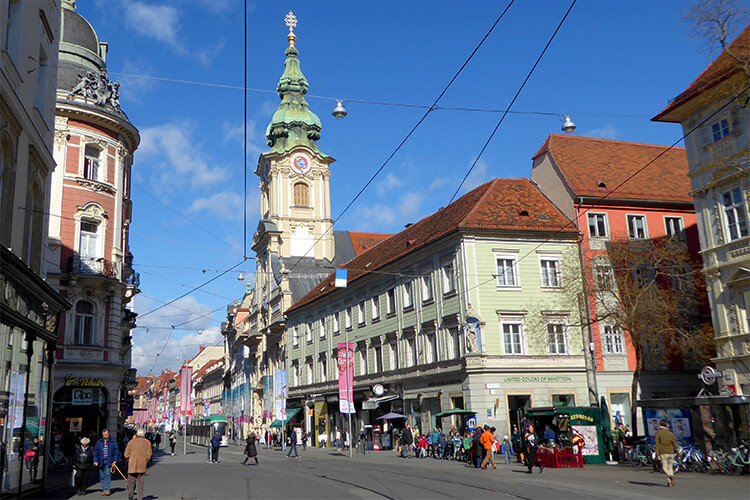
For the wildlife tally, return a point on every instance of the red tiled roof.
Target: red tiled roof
(365, 241)
(594, 167)
(719, 70)
(496, 205)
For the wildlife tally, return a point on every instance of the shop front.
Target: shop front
(29, 314)
(79, 409)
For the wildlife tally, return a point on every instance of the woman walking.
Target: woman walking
(250, 450)
(531, 446)
(82, 463)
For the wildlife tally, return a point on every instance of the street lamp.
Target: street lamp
(568, 125)
(339, 111)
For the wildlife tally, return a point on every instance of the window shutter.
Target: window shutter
(702, 137)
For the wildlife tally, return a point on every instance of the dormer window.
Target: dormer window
(92, 163)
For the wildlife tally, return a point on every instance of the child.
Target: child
(506, 448)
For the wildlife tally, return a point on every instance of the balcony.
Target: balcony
(92, 266)
(134, 279)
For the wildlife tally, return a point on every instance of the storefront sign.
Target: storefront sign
(76, 424)
(83, 397)
(541, 378)
(83, 382)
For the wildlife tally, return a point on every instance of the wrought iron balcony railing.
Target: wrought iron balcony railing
(92, 266)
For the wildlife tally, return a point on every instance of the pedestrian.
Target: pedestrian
(82, 463)
(106, 453)
(549, 435)
(250, 450)
(506, 449)
(488, 440)
(215, 443)
(665, 449)
(516, 444)
(478, 447)
(172, 441)
(531, 447)
(338, 439)
(157, 440)
(138, 454)
(292, 445)
(407, 439)
(362, 442)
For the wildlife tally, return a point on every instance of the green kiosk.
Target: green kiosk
(591, 422)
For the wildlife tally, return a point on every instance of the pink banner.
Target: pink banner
(345, 362)
(166, 402)
(186, 388)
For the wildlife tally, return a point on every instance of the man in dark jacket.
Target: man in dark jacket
(407, 442)
(82, 463)
(292, 445)
(106, 453)
(215, 443)
(478, 447)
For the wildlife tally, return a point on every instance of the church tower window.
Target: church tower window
(301, 195)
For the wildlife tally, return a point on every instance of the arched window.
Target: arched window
(84, 330)
(6, 188)
(91, 163)
(301, 195)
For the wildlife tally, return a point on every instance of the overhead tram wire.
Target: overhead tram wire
(413, 129)
(385, 103)
(244, 142)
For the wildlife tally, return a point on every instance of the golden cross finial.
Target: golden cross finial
(291, 21)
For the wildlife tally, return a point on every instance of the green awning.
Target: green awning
(277, 424)
(455, 411)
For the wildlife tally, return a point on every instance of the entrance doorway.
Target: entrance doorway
(516, 406)
(78, 412)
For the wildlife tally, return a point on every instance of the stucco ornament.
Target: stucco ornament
(97, 86)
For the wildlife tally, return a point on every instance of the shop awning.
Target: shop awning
(277, 424)
(547, 411)
(454, 411)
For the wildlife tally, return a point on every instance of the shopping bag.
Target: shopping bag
(73, 478)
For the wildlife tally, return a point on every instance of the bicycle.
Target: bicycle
(689, 458)
(737, 459)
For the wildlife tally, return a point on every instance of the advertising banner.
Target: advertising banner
(280, 391)
(268, 406)
(166, 402)
(186, 389)
(345, 363)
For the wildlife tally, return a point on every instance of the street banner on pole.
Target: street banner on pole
(268, 405)
(186, 388)
(166, 403)
(345, 362)
(280, 390)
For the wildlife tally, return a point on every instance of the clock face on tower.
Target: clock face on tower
(301, 163)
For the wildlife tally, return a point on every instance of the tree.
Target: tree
(714, 23)
(655, 295)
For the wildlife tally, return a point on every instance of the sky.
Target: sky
(612, 66)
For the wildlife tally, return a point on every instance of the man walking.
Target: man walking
(665, 448)
(407, 440)
(215, 443)
(137, 453)
(292, 445)
(106, 453)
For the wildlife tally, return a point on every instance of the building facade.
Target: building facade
(465, 309)
(597, 184)
(88, 256)
(714, 116)
(29, 308)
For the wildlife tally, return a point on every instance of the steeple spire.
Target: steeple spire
(293, 124)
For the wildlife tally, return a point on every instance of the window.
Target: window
(431, 349)
(735, 218)
(322, 327)
(375, 307)
(454, 343)
(41, 100)
(88, 247)
(603, 277)
(408, 295)
(85, 314)
(506, 272)
(390, 302)
(309, 370)
(637, 227)
(641, 277)
(362, 359)
(556, 338)
(13, 30)
(449, 279)
(720, 130)
(91, 163)
(512, 337)
(361, 313)
(323, 368)
(427, 285)
(336, 324)
(550, 273)
(411, 350)
(348, 317)
(674, 228)
(378, 358)
(612, 341)
(301, 195)
(393, 358)
(682, 278)
(598, 225)
(295, 335)
(295, 374)
(308, 331)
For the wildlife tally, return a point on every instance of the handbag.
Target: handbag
(29, 454)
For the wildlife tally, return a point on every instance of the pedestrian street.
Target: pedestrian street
(326, 474)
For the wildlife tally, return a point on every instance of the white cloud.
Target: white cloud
(381, 217)
(255, 140)
(477, 177)
(206, 55)
(224, 205)
(410, 204)
(179, 159)
(153, 335)
(387, 185)
(160, 22)
(606, 132)
(133, 89)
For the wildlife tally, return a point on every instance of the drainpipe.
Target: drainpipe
(590, 352)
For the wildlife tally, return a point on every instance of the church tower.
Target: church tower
(294, 175)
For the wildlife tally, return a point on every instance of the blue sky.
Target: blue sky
(612, 66)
